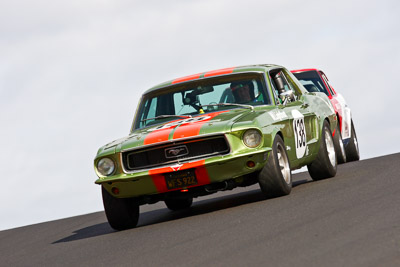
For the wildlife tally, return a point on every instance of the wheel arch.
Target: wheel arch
(332, 121)
(280, 134)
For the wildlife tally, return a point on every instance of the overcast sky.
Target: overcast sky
(71, 73)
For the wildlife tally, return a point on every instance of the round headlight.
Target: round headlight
(105, 166)
(252, 138)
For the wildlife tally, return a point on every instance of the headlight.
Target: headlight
(252, 138)
(105, 166)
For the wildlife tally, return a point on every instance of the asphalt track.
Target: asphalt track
(352, 219)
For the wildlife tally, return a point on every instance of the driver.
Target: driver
(242, 92)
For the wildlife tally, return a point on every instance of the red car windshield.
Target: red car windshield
(311, 81)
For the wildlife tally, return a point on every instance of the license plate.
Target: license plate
(180, 179)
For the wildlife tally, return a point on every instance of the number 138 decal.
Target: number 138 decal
(299, 133)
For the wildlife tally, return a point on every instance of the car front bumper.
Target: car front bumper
(207, 171)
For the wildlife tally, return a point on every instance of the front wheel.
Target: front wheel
(339, 146)
(325, 164)
(122, 213)
(352, 150)
(275, 178)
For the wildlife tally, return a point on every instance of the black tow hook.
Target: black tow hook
(221, 186)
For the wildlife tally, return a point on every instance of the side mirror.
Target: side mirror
(287, 97)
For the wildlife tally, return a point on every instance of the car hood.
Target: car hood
(204, 124)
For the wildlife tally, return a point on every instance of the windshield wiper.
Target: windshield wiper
(167, 116)
(230, 104)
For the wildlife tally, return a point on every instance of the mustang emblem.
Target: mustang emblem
(177, 151)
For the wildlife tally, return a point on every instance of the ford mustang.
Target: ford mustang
(214, 131)
(345, 138)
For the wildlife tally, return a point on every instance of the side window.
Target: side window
(283, 84)
(275, 91)
(291, 84)
(327, 84)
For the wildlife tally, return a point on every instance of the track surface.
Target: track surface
(350, 220)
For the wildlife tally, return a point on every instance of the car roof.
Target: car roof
(215, 73)
(301, 70)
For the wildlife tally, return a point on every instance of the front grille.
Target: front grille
(185, 150)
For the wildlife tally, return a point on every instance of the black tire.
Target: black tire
(352, 150)
(339, 146)
(122, 213)
(178, 203)
(325, 164)
(275, 178)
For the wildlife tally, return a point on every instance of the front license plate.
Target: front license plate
(180, 179)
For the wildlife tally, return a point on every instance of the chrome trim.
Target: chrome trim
(176, 161)
(170, 163)
(256, 151)
(175, 141)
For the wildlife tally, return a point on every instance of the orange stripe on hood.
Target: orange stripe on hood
(157, 136)
(161, 133)
(193, 128)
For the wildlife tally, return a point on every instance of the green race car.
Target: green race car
(214, 131)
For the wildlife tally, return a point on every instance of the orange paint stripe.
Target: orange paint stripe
(219, 72)
(186, 78)
(187, 130)
(157, 136)
(158, 178)
(193, 128)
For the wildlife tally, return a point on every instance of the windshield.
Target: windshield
(311, 81)
(201, 96)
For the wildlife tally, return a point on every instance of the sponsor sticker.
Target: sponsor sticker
(277, 115)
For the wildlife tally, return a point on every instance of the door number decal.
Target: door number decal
(299, 133)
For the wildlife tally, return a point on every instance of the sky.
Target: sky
(71, 74)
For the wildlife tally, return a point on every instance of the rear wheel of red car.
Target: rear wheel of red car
(352, 151)
(339, 146)
(325, 164)
(275, 178)
(179, 204)
(122, 213)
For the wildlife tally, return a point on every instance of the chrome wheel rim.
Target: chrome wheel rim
(283, 162)
(341, 145)
(356, 144)
(330, 148)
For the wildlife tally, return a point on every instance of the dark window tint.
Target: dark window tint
(311, 81)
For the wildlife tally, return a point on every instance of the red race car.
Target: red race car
(345, 138)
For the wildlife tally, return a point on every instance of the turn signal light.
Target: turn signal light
(250, 164)
(115, 190)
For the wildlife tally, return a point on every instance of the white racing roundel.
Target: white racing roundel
(299, 133)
